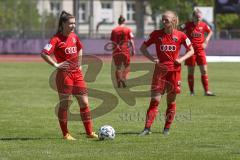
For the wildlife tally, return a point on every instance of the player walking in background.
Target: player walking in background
(67, 49)
(166, 76)
(196, 30)
(122, 38)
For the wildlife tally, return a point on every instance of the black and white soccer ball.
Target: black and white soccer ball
(106, 132)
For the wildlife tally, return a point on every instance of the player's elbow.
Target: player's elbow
(210, 34)
(43, 55)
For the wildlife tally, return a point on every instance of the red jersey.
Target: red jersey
(196, 32)
(168, 46)
(65, 48)
(122, 35)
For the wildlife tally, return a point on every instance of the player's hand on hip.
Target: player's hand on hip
(156, 61)
(133, 52)
(177, 62)
(63, 65)
(204, 45)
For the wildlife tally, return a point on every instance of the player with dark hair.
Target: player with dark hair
(196, 30)
(67, 49)
(167, 72)
(122, 37)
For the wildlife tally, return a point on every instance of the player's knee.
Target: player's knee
(204, 72)
(203, 69)
(127, 66)
(84, 104)
(154, 102)
(65, 103)
(190, 70)
(171, 98)
(64, 107)
(118, 67)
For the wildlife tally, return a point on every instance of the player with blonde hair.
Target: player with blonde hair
(166, 76)
(196, 30)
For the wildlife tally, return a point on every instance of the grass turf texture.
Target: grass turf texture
(205, 127)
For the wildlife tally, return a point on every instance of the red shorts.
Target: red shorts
(71, 82)
(163, 81)
(120, 59)
(199, 57)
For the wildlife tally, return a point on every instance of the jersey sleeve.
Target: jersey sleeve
(150, 40)
(50, 47)
(207, 28)
(185, 41)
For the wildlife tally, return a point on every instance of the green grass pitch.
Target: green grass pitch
(205, 127)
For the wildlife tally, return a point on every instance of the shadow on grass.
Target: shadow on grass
(136, 133)
(25, 138)
(128, 133)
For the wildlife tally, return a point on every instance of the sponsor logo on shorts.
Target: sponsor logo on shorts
(71, 50)
(169, 48)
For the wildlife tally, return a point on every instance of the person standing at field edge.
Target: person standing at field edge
(67, 49)
(122, 38)
(196, 30)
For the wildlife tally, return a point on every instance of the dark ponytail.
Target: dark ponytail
(64, 17)
(121, 20)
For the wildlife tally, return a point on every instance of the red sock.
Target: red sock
(151, 113)
(125, 72)
(205, 82)
(86, 119)
(170, 114)
(62, 118)
(191, 82)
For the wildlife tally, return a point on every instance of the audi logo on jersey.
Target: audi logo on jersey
(171, 48)
(196, 34)
(71, 50)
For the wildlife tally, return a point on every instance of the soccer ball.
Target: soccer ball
(106, 132)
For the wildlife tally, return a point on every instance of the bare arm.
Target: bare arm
(80, 59)
(188, 54)
(205, 44)
(50, 61)
(133, 47)
(145, 52)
